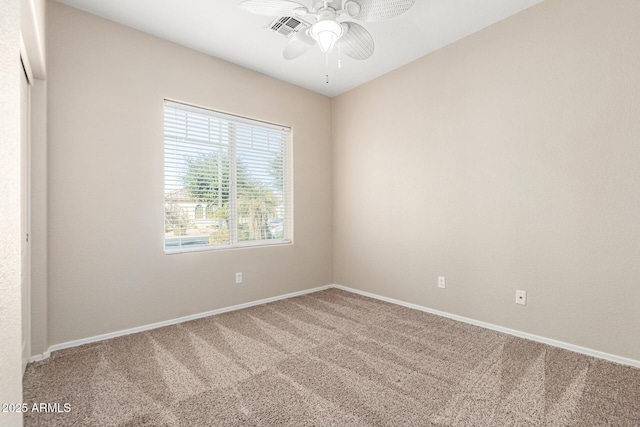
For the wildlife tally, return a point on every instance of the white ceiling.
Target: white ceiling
(221, 29)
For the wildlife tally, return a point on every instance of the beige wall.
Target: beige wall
(509, 160)
(107, 269)
(10, 298)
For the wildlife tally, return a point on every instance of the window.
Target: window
(199, 212)
(227, 181)
(211, 211)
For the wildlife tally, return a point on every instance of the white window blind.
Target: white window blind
(227, 180)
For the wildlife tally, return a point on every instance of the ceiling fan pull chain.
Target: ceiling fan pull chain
(326, 66)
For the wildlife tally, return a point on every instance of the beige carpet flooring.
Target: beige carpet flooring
(331, 358)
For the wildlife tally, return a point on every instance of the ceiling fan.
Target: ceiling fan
(325, 29)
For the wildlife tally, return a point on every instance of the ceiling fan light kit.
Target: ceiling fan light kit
(329, 29)
(326, 31)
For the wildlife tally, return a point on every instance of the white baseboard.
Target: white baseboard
(543, 340)
(39, 357)
(102, 337)
(549, 341)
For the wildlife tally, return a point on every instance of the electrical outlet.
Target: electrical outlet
(521, 297)
(442, 283)
(238, 278)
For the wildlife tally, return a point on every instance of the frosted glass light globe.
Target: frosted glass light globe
(326, 34)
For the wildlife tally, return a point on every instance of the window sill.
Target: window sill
(242, 245)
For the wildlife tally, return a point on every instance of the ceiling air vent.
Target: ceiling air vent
(286, 25)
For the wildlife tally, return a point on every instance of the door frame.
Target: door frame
(25, 282)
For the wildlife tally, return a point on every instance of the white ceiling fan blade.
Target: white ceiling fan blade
(273, 7)
(297, 45)
(357, 42)
(377, 10)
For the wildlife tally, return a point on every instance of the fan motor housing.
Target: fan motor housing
(335, 4)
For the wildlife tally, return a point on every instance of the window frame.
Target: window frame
(287, 177)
